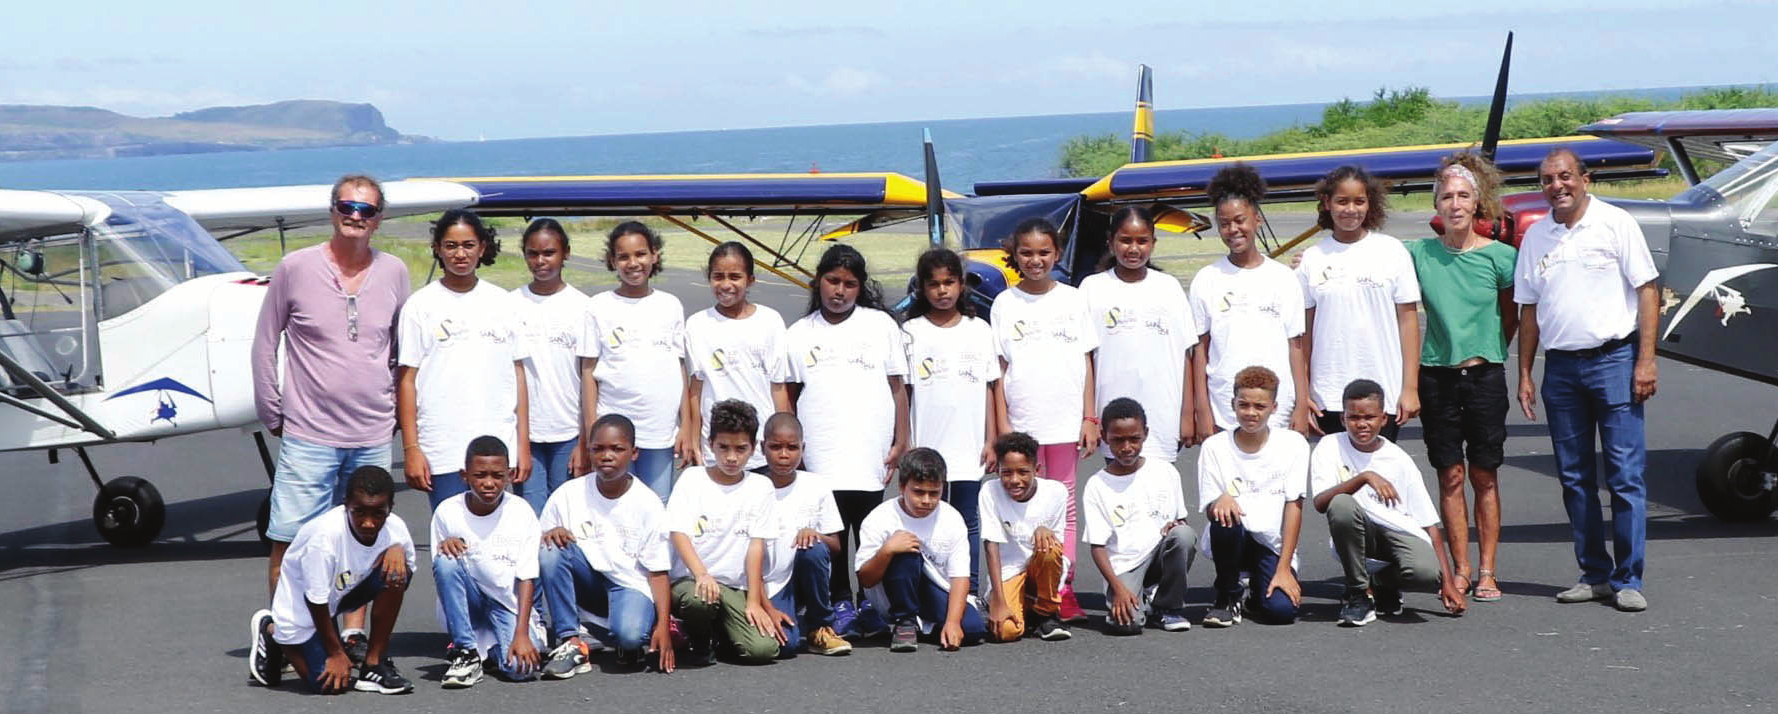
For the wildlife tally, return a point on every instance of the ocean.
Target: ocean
(968, 150)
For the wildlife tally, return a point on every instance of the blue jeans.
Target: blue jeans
(311, 478)
(1584, 395)
(446, 485)
(911, 594)
(1235, 550)
(467, 609)
(962, 496)
(314, 653)
(549, 470)
(655, 468)
(570, 585)
(808, 588)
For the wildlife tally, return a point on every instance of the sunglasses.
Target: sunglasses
(362, 209)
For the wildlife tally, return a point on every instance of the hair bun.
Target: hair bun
(1237, 181)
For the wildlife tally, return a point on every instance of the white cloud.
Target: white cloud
(844, 80)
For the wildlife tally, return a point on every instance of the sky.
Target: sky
(457, 70)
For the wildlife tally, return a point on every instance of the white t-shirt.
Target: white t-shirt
(1145, 329)
(1013, 524)
(638, 342)
(1044, 340)
(625, 538)
(847, 410)
(944, 539)
(324, 563)
(950, 369)
(736, 359)
(1261, 483)
(1583, 279)
(552, 329)
(1335, 460)
(1251, 315)
(1354, 289)
(1126, 513)
(721, 521)
(805, 503)
(502, 545)
(462, 346)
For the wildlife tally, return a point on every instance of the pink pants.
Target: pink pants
(1058, 462)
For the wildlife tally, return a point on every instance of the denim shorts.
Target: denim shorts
(1463, 414)
(311, 478)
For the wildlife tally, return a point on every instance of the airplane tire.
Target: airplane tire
(1729, 478)
(265, 519)
(129, 512)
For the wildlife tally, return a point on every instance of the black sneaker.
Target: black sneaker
(700, 654)
(357, 647)
(627, 659)
(1388, 602)
(904, 637)
(568, 659)
(1358, 610)
(465, 669)
(265, 659)
(1225, 613)
(1050, 628)
(382, 678)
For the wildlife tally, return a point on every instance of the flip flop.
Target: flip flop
(1487, 594)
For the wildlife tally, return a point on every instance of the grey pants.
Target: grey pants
(1165, 569)
(1411, 563)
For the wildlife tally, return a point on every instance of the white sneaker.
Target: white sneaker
(1629, 601)
(1584, 592)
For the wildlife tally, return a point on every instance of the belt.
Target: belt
(1592, 352)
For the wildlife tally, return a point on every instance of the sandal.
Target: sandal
(1464, 583)
(1487, 594)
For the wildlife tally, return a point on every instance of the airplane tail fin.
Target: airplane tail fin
(1142, 134)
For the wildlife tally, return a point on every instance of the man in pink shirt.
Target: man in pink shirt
(333, 306)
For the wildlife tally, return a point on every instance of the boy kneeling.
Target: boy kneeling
(605, 551)
(484, 562)
(1021, 515)
(718, 518)
(1135, 522)
(1251, 483)
(809, 529)
(1377, 508)
(913, 557)
(356, 554)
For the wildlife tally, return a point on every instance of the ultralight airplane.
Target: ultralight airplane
(124, 319)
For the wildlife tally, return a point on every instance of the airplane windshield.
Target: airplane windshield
(1748, 185)
(146, 247)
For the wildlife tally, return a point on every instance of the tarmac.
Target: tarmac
(88, 627)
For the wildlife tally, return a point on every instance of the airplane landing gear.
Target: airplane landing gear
(1738, 478)
(128, 511)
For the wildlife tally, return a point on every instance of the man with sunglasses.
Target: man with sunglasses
(333, 307)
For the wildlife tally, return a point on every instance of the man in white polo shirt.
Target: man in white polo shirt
(1585, 284)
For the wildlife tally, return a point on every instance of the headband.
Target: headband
(1457, 171)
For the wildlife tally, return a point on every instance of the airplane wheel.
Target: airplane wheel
(129, 512)
(1732, 478)
(265, 519)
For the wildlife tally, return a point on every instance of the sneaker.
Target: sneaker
(568, 659)
(465, 669)
(628, 659)
(1584, 592)
(1629, 601)
(1388, 602)
(844, 612)
(1050, 628)
(869, 623)
(699, 654)
(1070, 610)
(382, 678)
(1358, 611)
(1173, 621)
(1225, 613)
(827, 642)
(905, 638)
(357, 646)
(265, 659)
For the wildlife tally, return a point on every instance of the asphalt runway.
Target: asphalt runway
(88, 627)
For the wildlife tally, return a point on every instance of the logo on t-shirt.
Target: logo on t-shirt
(814, 356)
(926, 368)
(1119, 516)
(718, 360)
(701, 527)
(447, 328)
(616, 337)
(1112, 316)
(586, 530)
(342, 580)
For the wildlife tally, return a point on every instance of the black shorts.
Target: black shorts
(1463, 413)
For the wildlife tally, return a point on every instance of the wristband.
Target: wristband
(1093, 419)
(405, 447)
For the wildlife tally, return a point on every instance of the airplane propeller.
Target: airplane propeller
(1497, 109)
(935, 203)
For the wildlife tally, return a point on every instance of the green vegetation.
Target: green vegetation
(1399, 118)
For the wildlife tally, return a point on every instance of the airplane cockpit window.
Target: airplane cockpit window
(146, 247)
(1749, 189)
(45, 323)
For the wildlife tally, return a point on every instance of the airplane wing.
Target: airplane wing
(230, 212)
(32, 214)
(1724, 135)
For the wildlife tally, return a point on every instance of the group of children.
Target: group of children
(790, 435)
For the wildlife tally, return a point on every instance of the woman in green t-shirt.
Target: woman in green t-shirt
(1466, 285)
